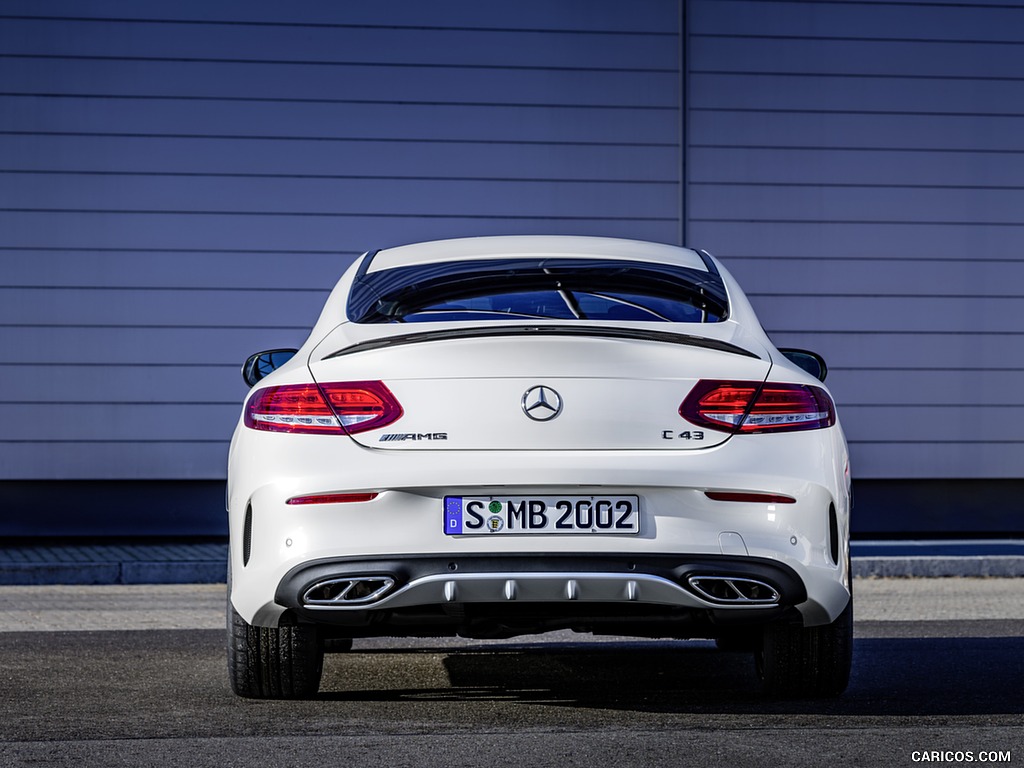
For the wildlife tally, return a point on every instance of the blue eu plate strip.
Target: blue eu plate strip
(453, 514)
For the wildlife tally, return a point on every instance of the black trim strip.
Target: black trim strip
(544, 330)
(364, 265)
(708, 262)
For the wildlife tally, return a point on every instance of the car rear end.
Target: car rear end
(420, 469)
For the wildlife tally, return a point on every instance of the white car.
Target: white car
(490, 437)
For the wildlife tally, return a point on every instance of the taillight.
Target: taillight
(749, 407)
(329, 409)
(291, 408)
(362, 405)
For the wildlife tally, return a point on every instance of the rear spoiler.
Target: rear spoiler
(545, 330)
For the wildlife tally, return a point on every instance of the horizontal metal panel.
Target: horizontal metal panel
(114, 461)
(311, 81)
(888, 58)
(339, 157)
(348, 197)
(970, 276)
(117, 422)
(193, 383)
(894, 351)
(212, 270)
(932, 424)
(880, 240)
(988, 3)
(124, 508)
(205, 270)
(222, 384)
(963, 394)
(841, 131)
(822, 165)
(900, 314)
(120, 347)
(652, 16)
(31, 426)
(291, 121)
(208, 460)
(160, 307)
(882, 19)
(294, 232)
(386, 44)
(135, 296)
(904, 95)
(839, 204)
(936, 460)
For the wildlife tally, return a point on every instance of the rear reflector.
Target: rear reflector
(332, 498)
(756, 498)
(329, 409)
(749, 407)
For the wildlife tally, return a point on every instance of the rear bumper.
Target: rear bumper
(516, 593)
(279, 551)
(625, 578)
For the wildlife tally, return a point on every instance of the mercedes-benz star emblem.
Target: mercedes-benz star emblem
(542, 403)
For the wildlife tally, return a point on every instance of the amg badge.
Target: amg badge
(398, 437)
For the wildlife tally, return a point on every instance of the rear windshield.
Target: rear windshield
(538, 289)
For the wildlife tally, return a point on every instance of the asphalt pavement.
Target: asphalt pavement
(90, 608)
(134, 675)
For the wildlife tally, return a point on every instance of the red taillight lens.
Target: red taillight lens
(719, 404)
(749, 407)
(291, 408)
(362, 405)
(330, 409)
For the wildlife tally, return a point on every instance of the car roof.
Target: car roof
(513, 246)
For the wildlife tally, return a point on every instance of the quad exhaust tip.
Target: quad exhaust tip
(356, 590)
(734, 590)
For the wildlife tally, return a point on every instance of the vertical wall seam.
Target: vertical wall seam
(684, 113)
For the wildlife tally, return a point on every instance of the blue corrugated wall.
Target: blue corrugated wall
(180, 183)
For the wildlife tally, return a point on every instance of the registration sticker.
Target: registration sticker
(488, 515)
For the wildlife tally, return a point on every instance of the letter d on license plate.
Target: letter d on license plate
(489, 515)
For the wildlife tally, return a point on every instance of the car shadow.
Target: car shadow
(891, 677)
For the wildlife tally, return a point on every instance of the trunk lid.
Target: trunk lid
(538, 388)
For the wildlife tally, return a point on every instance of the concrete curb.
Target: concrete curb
(202, 572)
(207, 563)
(1001, 566)
(81, 564)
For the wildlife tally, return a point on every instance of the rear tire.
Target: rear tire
(807, 662)
(273, 662)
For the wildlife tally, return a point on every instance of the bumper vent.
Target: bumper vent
(247, 536)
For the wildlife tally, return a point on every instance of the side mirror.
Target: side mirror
(811, 362)
(262, 364)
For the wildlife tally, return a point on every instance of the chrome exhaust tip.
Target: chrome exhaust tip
(353, 590)
(734, 590)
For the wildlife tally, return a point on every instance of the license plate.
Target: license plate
(541, 514)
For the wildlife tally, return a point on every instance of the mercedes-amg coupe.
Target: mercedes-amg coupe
(498, 436)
